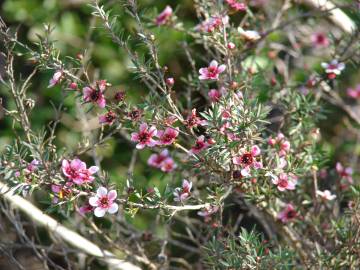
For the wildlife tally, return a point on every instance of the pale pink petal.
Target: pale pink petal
(112, 195)
(101, 192)
(140, 146)
(245, 172)
(101, 102)
(93, 169)
(99, 212)
(255, 150)
(94, 201)
(143, 127)
(113, 208)
(213, 63)
(221, 68)
(135, 137)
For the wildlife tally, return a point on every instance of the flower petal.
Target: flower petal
(101, 192)
(99, 212)
(93, 201)
(112, 195)
(113, 208)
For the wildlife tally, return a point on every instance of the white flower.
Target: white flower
(325, 195)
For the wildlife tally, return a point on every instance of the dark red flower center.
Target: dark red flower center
(247, 159)
(167, 137)
(144, 137)
(199, 145)
(110, 116)
(135, 114)
(283, 183)
(104, 202)
(95, 95)
(291, 214)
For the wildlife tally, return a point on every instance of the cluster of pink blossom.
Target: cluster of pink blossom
(215, 94)
(207, 212)
(182, 193)
(247, 160)
(192, 120)
(345, 173)
(145, 136)
(236, 5)
(164, 16)
(282, 144)
(201, 143)
(29, 169)
(76, 171)
(162, 161)
(61, 191)
(354, 92)
(212, 24)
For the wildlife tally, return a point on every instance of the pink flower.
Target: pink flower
(234, 4)
(156, 160)
(144, 137)
(214, 95)
(282, 142)
(61, 191)
(162, 161)
(76, 171)
(164, 16)
(32, 166)
(287, 214)
(212, 23)
(231, 45)
(168, 136)
(333, 68)
(104, 201)
(207, 212)
(193, 120)
(284, 181)
(247, 160)
(319, 40)
(325, 195)
(73, 85)
(86, 208)
(94, 95)
(200, 145)
(345, 173)
(170, 82)
(168, 165)
(56, 78)
(183, 193)
(354, 93)
(107, 118)
(212, 71)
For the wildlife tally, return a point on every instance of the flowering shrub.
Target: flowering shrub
(243, 177)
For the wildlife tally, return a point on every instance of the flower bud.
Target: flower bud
(231, 46)
(170, 82)
(73, 86)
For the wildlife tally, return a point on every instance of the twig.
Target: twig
(66, 234)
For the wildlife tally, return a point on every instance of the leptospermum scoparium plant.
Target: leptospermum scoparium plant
(230, 139)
